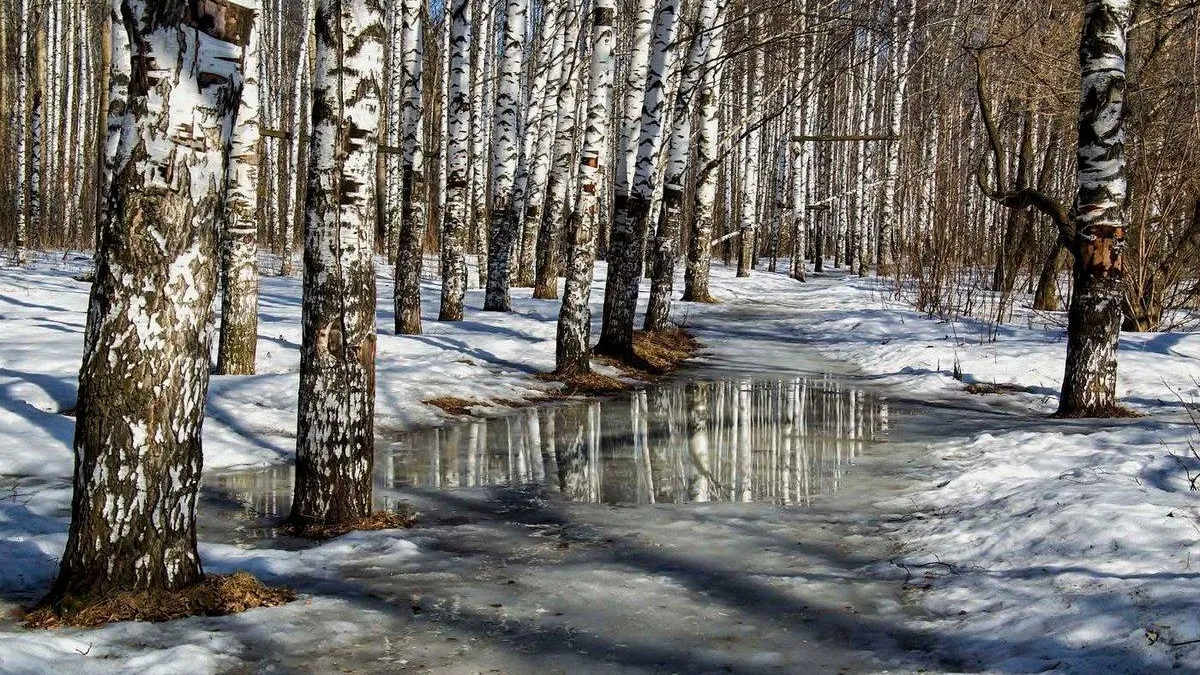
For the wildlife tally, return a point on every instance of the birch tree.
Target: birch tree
(898, 75)
(454, 219)
(749, 216)
(707, 30)
(1094, 319)
(413, 195)
(238, 341)
(1094, 228)
(572, 354)
(300, 92)
(145, 370)
(335, 434)
(23, 131)
(704, 203)
(557, 211)
(539, 137)
(632, 209)
(505, 155)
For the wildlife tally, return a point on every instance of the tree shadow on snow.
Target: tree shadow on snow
(514, 519)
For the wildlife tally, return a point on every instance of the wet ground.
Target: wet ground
(713, 524)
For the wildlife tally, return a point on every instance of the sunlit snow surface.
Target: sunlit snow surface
(973, 535)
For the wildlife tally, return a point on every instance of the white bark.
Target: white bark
(708, 29)
(300, 93)
(505, 156)
(748, 222)
(539, 136)
(146, 363)
(335, 434)
(454, 218)
(239, 237)
(633, 208)
(563, 155)
(902, 34)
(635, 91)
(572, 353)
(407, 299)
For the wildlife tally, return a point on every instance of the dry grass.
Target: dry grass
(1107, 412)
(587, 384)
(216, 595)
(665, 351)
(390, 519)
(452, 405)
(983, 388)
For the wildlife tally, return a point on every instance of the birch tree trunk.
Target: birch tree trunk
(481, 127)
(335, 435)
(572, 354)
(563, 154)
(239, 238)
(505, 150)
(1094, 319)
(539, 136)
(23, 132)
(391, 175)
(749, 216)
(708, 23)
(454, 220)
(632, 209)
(704, 205)
(145, 369)
(300, 94)
(407, 300)
(898, 74)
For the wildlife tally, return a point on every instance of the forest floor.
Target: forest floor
(987, 538)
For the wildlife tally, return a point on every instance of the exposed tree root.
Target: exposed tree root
(216, 595)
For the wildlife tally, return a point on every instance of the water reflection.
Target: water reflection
(780, 441)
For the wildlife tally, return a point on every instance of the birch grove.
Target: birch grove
(968, 159)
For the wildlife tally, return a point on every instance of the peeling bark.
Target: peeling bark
(335, 436)
(145, 370)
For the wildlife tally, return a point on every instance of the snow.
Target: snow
(993, 538)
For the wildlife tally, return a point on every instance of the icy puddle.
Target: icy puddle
(774, 440)
(720, 525)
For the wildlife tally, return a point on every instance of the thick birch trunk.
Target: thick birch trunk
(146, 363)
(335, 435)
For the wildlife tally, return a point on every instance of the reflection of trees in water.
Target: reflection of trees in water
(779, 441)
